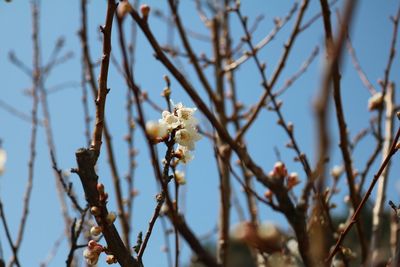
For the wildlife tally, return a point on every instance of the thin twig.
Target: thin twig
(102, 89)
(75, 233)
(167, 248)
(189, 50)
(107, 135)
(53, 252)
(363, 77)
(19, 114)
(8, 234)
(333, 49)
(36, 83)
(356, 214)
(160, 197)
(265, 41)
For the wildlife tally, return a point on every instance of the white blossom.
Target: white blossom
(375, 101)
(170, 120)
(182, 125)
(180, 177)
(336, 171)
(156, 129)
(183, 154)
(91, 256)
(187, 137)
(164, 209)
(3, 159)
(185, 115)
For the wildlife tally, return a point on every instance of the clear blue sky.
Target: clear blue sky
(371, 36)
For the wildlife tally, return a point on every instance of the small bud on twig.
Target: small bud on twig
(95, 211)
(145, 10)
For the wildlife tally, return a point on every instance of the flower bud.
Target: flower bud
(124, 8)
(110, 219)
(268, 195)
(111, 259)
(375, 101)
(92, 244)
(145, 10)
(95, 211)
(100, 188)
(180, 177)
(96, 230)
(280, 169)
(292, 180)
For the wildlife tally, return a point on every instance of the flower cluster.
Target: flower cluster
(92, 252)
(183, 124)
(279, 172)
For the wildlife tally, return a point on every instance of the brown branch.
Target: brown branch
(166, 233)
(262, 101)
(103, 90)
(158, 13)
(190, 52)
(87, 118)
(392, 51)
(52, 151)
(14, 249)
(36, 83)
(356, 214)
(19, 64)
(107, 135)
(333, 75)
(265, 41)
(396, 235)
(176, 219)
(75, 233)
(378, 209)
(86, 159)
(160, 197)
(222, 158)
(385, 82)
(295, 218)
(230, 76)
(13, 111)
(368, 165)
(315, 17)
(363, 77)
(160, 200)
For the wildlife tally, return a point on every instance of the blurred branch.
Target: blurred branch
(378, 210)
(87, 158)
(395, 217)
(23, 116)
(36, 79)
(75, 231)
(354, 218)
(52, 253)
(176, 219)
(333, 50)
(13, 248)
(363, 77)
(174, 9)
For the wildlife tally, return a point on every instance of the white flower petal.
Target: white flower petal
(156, 129)
(3, 159)
(180, 177)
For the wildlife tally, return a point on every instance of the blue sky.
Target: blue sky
(371, 35)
